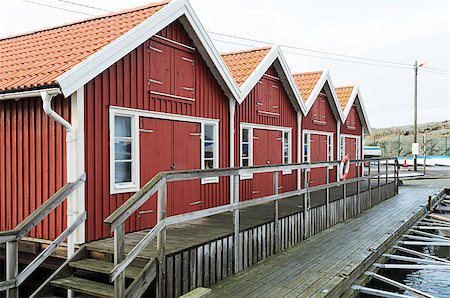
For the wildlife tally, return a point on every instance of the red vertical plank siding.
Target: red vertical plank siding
(247, 112)
(124, 84)
(329, 126)
(351, 122)
(32, 163)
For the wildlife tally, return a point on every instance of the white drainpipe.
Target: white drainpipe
(71, 166)
(232, 108)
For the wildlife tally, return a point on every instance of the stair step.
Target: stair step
(84, 286)
(103, 267)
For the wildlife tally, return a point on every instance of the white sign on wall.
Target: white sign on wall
(415, 148)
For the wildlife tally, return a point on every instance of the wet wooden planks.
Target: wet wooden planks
(319, 264)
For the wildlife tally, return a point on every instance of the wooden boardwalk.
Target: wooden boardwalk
(328, 262)
(183, 236)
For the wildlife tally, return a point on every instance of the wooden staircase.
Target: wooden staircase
(87, 274)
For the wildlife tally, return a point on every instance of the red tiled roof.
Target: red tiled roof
(242, 64)
(343, 94)
(37, 58)
(306, 82)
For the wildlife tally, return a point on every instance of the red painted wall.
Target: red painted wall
(321, 118)
(124, 84)
(32, 163)
(248, 112)
(352, 124)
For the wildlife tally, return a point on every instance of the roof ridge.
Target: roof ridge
(108, 15)
(342, 87)
(246, 51)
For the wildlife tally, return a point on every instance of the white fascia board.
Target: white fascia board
(365, 116)
(259, 71)
(335, 97)
(88, 69)
(350, 102)
(210, 48)
(291, 82)
(315, 92)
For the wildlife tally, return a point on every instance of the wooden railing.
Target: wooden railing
(11, 238)
(158, 184)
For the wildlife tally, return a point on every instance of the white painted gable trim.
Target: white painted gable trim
(274, 54)
(324, 78)
(88, 69)
(357, 94)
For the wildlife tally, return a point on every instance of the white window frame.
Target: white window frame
(358, 144)
(250, 150)
(134, 185)
(330, 137)
(215, 150)
(251, 127)
(137, 114)
(307, 136)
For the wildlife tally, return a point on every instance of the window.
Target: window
(306, 144)
(330, 147)
(124, 165)
(287, 156)
(342, 147)
(246, 150)
(210, 152)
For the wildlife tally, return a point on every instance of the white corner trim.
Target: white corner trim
(88, 69)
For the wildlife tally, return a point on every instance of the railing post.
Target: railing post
(358, 185)
(12, 266)
(119, 256)
(237, 259)
(369, 185)
(396, 176)
(161, 241)
(305, 205)
(379, 181)
(344, 187)
(276, 215)
(327, 179)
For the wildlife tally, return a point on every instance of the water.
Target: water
(435, 282)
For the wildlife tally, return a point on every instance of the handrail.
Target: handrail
(37, 215)
(121, 214)
(11, 237)
(154, 185)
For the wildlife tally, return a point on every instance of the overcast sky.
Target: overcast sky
(401, 31)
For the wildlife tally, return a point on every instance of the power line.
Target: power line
(84, 5)
(437, 69)
(312, 50)
(56, 7)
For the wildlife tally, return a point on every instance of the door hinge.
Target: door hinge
(146, 130)
(145, 212)
(196, 203)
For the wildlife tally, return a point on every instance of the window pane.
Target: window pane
(286, 160)
(209, 149)
(209, 164)
(245, 150)
(245, 135)
(286, 151)
(122, 126)
(122, 149)
(286, 138)
(209, 132)
(123, 172)
(245, 162)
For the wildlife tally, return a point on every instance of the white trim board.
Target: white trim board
(275, 55)
(91, 67)
(355, 97)
(267, 127)
(325, 78)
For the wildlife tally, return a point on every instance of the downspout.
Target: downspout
(70, 141)
(299, 147)
(338, 149)
(232, 109)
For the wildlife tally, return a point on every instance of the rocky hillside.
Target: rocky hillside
(397, 140)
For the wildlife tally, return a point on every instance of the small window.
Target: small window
(210, 155)
(306, 144)
(342, 147)
(246, 150)
(330, 147)
(124, 172)
(287, 159)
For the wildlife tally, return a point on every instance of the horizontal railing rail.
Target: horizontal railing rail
(158, 184)
(11, 238)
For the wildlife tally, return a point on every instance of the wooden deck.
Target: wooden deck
(183, 236)
(328, 262)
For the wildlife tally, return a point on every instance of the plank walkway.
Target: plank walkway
(321, 264)
(197, 232)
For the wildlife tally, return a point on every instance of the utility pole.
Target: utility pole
(416, 68)
(415, 111)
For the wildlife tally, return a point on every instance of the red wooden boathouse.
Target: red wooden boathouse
(139, 91)
(267, 120)
(320, 126)
(355, 124)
